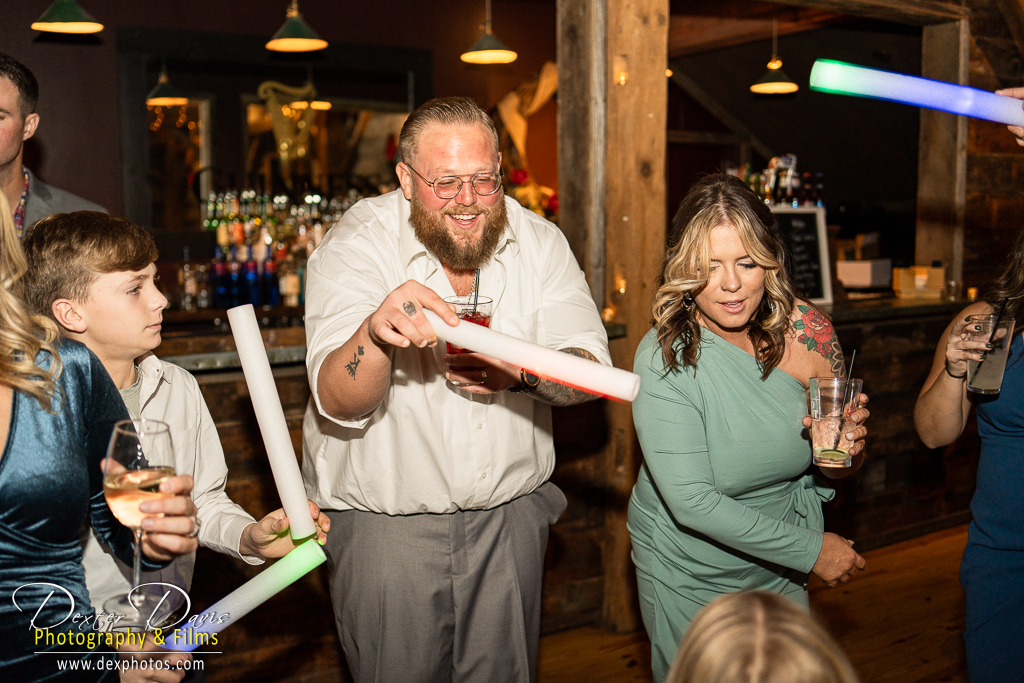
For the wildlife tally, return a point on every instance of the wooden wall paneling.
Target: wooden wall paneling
(942, 154)
(997, 27)
(581, 134)
(635, 242)
(994, 210)
(1013, 15)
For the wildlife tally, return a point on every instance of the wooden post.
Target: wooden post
(942, 154)
(634, 207)
(581, 134)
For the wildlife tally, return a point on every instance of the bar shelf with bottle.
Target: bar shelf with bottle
(262, 244)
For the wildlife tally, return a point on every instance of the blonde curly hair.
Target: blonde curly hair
(714, 201)
(22, 335)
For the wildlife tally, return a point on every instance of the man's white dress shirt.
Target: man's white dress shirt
(429, 446)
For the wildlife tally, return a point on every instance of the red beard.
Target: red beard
(432, 231)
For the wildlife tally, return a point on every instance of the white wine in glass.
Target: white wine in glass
(138, 461)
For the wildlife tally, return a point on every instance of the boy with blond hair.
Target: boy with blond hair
(95, 275)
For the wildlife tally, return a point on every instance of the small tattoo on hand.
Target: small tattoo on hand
(409, 308)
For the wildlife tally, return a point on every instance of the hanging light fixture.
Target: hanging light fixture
(164, 94)
(775, 81)
(66, 16)
(295, 35)
(488, 49)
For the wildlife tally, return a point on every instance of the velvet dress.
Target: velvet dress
(51, 486)
(723, 502)
(992, 571)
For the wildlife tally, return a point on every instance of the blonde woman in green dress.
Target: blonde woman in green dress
(725, 500)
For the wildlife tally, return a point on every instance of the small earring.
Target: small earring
(687, 300)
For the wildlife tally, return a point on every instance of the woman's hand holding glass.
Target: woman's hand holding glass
(857, 436)
(171, 525)
(145, 495)
(960, 348)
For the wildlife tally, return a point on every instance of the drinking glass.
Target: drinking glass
(139, 458)
(833, 401)
(471, 310)
(985, 376)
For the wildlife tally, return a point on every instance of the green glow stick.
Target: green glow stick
(246, 597)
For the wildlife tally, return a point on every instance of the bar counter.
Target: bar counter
(903, 490)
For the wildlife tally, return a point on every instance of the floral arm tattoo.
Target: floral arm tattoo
(557, 394)
(816, 332)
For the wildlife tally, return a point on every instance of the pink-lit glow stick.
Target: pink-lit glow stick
(547, 363)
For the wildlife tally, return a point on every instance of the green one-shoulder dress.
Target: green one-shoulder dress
(723, 502)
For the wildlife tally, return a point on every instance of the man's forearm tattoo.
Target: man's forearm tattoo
(561, 395)
(351, 367)
(409, 308)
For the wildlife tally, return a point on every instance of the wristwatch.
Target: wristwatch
(528, 382)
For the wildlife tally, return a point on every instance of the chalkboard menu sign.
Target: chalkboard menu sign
(804, 232)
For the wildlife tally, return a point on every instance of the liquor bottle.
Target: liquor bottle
(187, 282)
(795, 190)
(270, 295)
(288, 281)
(234, 279)
(300, 270)
(209, 222)
(252, 282)
(220, 283)
(807, 189)
(223, 233)
(204, 298)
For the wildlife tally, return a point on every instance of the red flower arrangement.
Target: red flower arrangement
(533, 196)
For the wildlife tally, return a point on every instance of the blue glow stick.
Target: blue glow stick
(849, 79)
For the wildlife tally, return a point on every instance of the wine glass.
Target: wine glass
(139, 459)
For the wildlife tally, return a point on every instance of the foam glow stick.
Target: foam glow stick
(246, 597)
(850, 79)
(270, 415)
(547, 363)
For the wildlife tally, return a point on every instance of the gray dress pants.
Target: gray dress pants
(432, 598)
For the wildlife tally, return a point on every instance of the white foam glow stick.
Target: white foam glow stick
(247, 597)
(267, 404)
(850, 79)
(547, 363)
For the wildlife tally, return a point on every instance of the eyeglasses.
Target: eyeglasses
(448, 186)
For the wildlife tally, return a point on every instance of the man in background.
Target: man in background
(30, 199)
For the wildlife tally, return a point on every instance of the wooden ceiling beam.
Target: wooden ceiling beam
(913, 12)
(689, 34)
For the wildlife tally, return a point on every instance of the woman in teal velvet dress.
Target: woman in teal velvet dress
(725, 501)
(57, 410)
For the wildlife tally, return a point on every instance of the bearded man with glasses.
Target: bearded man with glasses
(437, 491)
